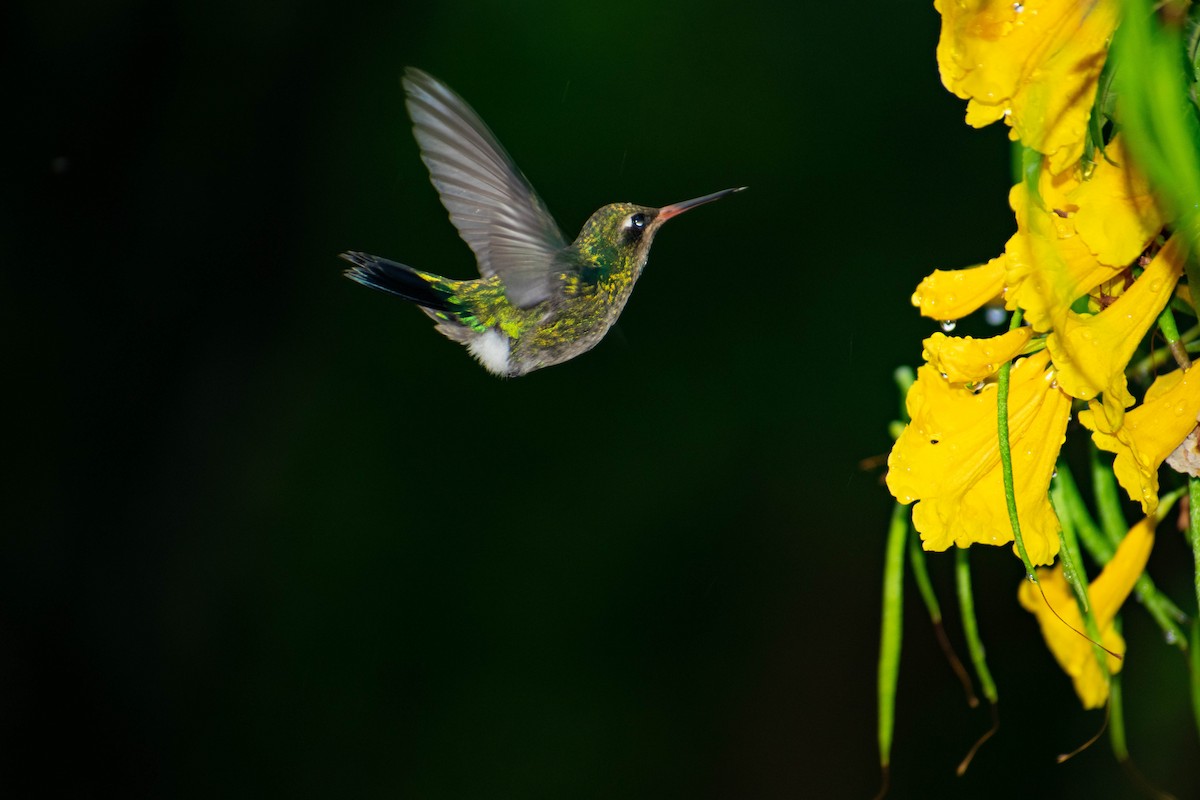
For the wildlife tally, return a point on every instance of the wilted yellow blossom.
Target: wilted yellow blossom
(1074, 653)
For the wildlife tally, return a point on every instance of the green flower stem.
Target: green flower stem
(966, 602)
(1152, 363)
(916, 559)
(1195, 671)
(1093, 539)
(891, 630)
(1068, 550)
(1175, 344)
(1108, 499)
(1194, 528)
(1010, 494)
(1116, 706)
(905, 377)
(1166, 324)
(1179, 304)
(1072, 561)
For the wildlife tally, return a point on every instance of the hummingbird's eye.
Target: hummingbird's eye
(634, 227)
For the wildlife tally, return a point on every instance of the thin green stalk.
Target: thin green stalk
(891, 630)
(904, 378)
(916, 560)
(1108, 499)
(1072, 560)
(1116, 707)
(1195, 670)
(1010, 494)
(1068, 550)
(1154, 361)
(1170, 332)
(1090, 533)
(1194, 530)
(966, 602)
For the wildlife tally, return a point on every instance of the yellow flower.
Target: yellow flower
(1076, 235)
(1091, 351)
(1033, 63)
(947, 459)
(1106, 594)
(952, 294)
(1072, 237)
(1114, 210)
(1149, 434)
(962, 359)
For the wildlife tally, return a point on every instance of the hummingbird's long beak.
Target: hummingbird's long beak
(675, 209)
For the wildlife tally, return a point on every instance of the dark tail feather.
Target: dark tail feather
(398, 279)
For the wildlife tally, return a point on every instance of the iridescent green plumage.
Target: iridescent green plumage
(540, 301)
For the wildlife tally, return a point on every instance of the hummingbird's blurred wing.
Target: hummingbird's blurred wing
(491, 203)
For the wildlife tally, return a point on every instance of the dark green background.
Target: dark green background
(268, 534)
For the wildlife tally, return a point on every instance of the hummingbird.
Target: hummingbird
(539, 300)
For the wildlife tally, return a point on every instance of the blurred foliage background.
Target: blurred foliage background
(269, 534)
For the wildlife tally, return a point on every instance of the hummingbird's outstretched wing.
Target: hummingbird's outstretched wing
(491, 203)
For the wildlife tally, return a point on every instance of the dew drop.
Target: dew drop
(1018, 7)
(1169, 637)
(1054, 474)
(948, 325)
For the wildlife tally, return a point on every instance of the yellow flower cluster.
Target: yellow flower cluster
(1084, 223)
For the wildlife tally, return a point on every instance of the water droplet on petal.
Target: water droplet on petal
(948, 325)
(1018, 7)
(995, 316)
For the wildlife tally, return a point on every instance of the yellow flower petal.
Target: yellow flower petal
(1077, 235)
(1117, 215)
(1091, 351)
(1107, 594)
(1051, 109)
(948, 459)
(1149, 433)
(962, 359)
(1047, 272)
(1035, 64)
(952, 294)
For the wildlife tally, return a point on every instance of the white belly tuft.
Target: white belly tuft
(491, 349)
